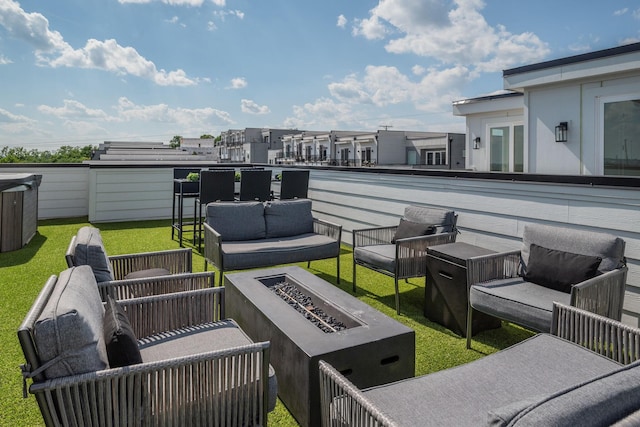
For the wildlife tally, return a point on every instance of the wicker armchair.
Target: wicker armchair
(87, 248)
(556, 391)
(402, 258)
(195, 379)
(504, 285)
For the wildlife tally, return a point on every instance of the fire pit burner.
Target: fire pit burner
(304, 305)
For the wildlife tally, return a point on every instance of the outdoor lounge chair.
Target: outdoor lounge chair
(581, 268)
(400, 251)
(169, 359)
(585, 373)
(87, 248)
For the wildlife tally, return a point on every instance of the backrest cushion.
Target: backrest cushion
(120, 340)
(89, 250)
(69, 329)
(598, 402)
(444, 220)
(606, 246)
(559, 270)
(237, 220)
(288, 217)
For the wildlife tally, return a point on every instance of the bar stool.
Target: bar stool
(215, 186)
(182, 189)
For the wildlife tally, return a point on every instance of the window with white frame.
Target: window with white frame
(434, 157)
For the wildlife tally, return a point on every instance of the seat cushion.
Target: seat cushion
(606, 246)
(69, 329)
(89, 250)
(283, 250)
(284, 218)
(237, 220)
(464, 395)
(518, 301)
(150, 272)
(382, 257)
(601, 401)
(444, 220)
(203, 338)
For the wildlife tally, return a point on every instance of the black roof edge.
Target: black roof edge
(620, 50)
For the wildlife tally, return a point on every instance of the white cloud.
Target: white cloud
(73, 109)
(636, 14)
(418, 70)
(4, 60)
(342, 21)
(238, 83)
(620, 12)
(220, 3)
(459, 35)
(222, 14)
(9, 117)
(324, 113)
(211, 26)
(108, 55)
(162, 113)
(250, 107)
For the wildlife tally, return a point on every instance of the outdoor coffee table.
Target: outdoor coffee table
(367, 346)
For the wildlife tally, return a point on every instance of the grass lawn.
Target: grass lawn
(24, 272)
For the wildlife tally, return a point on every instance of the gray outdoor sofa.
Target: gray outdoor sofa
(170, 359)
(243, 235)
(585, 373)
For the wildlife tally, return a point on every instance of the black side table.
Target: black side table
(446, 293)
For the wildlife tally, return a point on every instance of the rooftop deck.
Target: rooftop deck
(131, 204)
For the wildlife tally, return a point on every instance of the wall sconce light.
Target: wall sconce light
(476, 143)
(561, 132)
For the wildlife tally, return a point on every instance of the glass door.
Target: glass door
(506, 148)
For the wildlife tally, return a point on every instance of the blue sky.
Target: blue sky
(79, 72)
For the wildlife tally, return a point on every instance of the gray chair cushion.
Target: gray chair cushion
(150, 272)
(381, 256)
(288, 218)
(598, 402)
(516, 300)
(89, 250)
(464, 395)
(444, 220)
(69, 329)
(606, 246)
(237, 220)
(204, 338)
(283, 250)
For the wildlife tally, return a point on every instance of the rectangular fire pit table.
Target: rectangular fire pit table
(369, 348)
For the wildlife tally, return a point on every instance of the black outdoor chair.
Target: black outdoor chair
(181, 190)
(255, 185)
(295, 184)
(215, 186)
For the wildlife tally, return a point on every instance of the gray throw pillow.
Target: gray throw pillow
(412, 229)
(120, 340)
(559, 270)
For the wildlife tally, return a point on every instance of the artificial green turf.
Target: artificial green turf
(24, 272)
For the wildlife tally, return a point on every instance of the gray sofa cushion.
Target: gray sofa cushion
(284, 250)
(443, 219)
(464, 395)
(517, 300)
(89, 250)
(284, 218)
(598, 402)
(204, 338)
(606, 246)
(237, 220)
(69, 329)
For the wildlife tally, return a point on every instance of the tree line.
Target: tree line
(65, 154)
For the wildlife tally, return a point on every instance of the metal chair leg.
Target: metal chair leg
(397, 295)
(469, 325)
(354, 277)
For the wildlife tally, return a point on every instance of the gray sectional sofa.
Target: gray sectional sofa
(585, 373)
(141, 361)
(243, 235)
